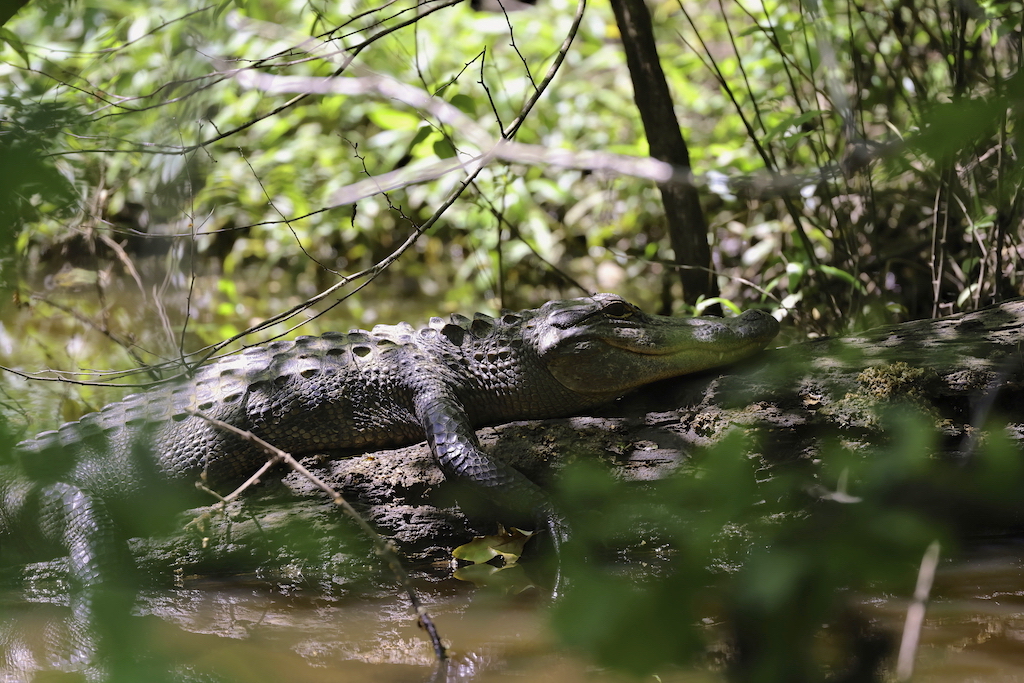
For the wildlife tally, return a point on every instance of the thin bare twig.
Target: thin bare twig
(915, 613)
(512, 44)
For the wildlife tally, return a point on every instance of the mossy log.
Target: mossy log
(959, 371)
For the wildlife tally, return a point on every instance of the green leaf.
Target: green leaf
(7, 36)
(707, 303)
(505, 544)
(792, 121)
(444, 149)
(464, 103)
(387, 118)
(510, 580)
(221, 8)
(842, 275)
(75, 278)
(949, 128)
(422, 134)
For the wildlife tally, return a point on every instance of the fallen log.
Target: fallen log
(959, 371)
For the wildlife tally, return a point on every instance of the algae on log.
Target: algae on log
(957, 370)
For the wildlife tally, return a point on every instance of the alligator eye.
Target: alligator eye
(618, 309)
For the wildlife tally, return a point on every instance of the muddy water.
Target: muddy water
(244, 632)
(376, 640)
(975, 621)
(240, 630)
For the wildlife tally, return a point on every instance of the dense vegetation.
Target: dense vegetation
(857, 164)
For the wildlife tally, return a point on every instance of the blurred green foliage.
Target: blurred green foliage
(765, 564)
(31, 184)
(912, 112)
(174, 159)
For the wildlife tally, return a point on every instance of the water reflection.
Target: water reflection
(237, 630)
(240, 630)
(974, 629)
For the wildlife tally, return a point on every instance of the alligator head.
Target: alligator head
(603, 345)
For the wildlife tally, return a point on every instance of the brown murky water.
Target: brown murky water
(246, 631)
(974, 629)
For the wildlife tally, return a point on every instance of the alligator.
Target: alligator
(83, 488)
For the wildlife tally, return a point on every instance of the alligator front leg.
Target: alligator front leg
(457, 450)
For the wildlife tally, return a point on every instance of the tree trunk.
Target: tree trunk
(687, 228)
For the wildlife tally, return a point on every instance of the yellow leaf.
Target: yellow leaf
(506, 544)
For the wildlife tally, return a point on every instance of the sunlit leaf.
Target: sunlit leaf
(393, 119)
(506, 544)
(842, 275)
(706, 303)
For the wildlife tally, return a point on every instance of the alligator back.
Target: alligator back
(334, 392)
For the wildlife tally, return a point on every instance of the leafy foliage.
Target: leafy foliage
(244, 180)
(756, 563)
(31, 186)
(911, 108)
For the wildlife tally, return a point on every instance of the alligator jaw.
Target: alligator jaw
(612, 356)
(725, 339)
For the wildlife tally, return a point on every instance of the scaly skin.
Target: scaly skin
(89, 483)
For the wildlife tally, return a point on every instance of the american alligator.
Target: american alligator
(84, 486)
